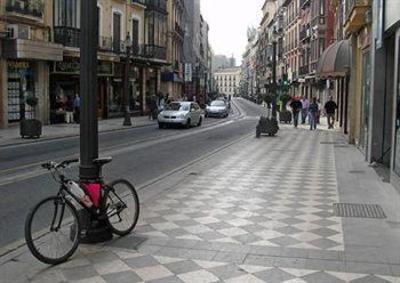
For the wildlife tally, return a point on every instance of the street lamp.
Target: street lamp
(127, 115)
(274, 88)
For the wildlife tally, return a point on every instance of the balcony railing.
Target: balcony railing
(156, 52)
(179, 30)
(67, 36)
(157, 5)
(26, 8)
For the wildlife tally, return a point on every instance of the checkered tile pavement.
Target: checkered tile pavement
(127, 266)
(270, 194)
(277, 193)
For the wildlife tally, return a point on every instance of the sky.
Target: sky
(228, 21)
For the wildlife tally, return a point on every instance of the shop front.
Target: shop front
(65, 86)
(135, 94)
(20, 85)
(24, 73)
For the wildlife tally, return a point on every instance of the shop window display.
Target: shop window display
(20, 86)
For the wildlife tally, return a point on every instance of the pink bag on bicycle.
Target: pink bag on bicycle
(94, 192)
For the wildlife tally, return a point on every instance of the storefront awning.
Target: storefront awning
(335, 60)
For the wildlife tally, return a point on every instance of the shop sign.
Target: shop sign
(67, 67)
(18, 65)
(105, 68)
(73, 67)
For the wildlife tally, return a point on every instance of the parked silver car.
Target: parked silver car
(184, 113)
(217, 108)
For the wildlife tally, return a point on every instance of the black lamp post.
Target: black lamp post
(97, 231)
(89, 149)
(274, 88)
(127, 114)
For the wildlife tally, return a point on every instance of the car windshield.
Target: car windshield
(218, 103)
(177, 107)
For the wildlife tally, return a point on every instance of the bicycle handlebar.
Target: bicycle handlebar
(53, 165)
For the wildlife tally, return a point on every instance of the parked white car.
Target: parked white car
(184, 113)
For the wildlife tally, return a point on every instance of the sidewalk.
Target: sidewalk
(11, 135)
(258, 211)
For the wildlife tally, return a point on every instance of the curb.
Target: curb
(38, 141)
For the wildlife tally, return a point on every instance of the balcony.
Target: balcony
(157, 5)
(31, 10)
(355, 14)
(155, 52)
(179, 30)
(67, 36)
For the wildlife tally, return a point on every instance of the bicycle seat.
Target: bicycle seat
(102, 161)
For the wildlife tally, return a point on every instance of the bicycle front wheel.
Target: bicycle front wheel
(121, 207)
(52, 230)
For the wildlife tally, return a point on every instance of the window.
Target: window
(67, 13)
(135, 35)
(117, 31)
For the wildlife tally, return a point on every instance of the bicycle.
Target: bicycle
(53, 227)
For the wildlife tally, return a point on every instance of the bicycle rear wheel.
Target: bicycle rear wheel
(52, 230)
(121, 207)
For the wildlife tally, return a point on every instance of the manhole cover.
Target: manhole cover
(358, 210)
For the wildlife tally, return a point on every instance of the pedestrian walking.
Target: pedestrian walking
(296, 106)
(330, 110)
(161, 102)
(77, 108)
(304, 111)
(313, 110)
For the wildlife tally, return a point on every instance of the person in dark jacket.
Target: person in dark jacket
(330, 110)
(296, 106)
(313, 110)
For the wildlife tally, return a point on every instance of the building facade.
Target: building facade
(27, 53)
(248, 84)
(39, 55)
(172, 75)
(228, 81)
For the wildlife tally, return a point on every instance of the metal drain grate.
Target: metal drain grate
(358, 210)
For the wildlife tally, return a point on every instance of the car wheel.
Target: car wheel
(200, 122)
(188, 123)
(161, 125)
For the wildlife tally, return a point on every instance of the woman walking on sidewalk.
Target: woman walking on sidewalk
(313, 114)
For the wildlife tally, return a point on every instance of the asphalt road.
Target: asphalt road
(140, 155)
